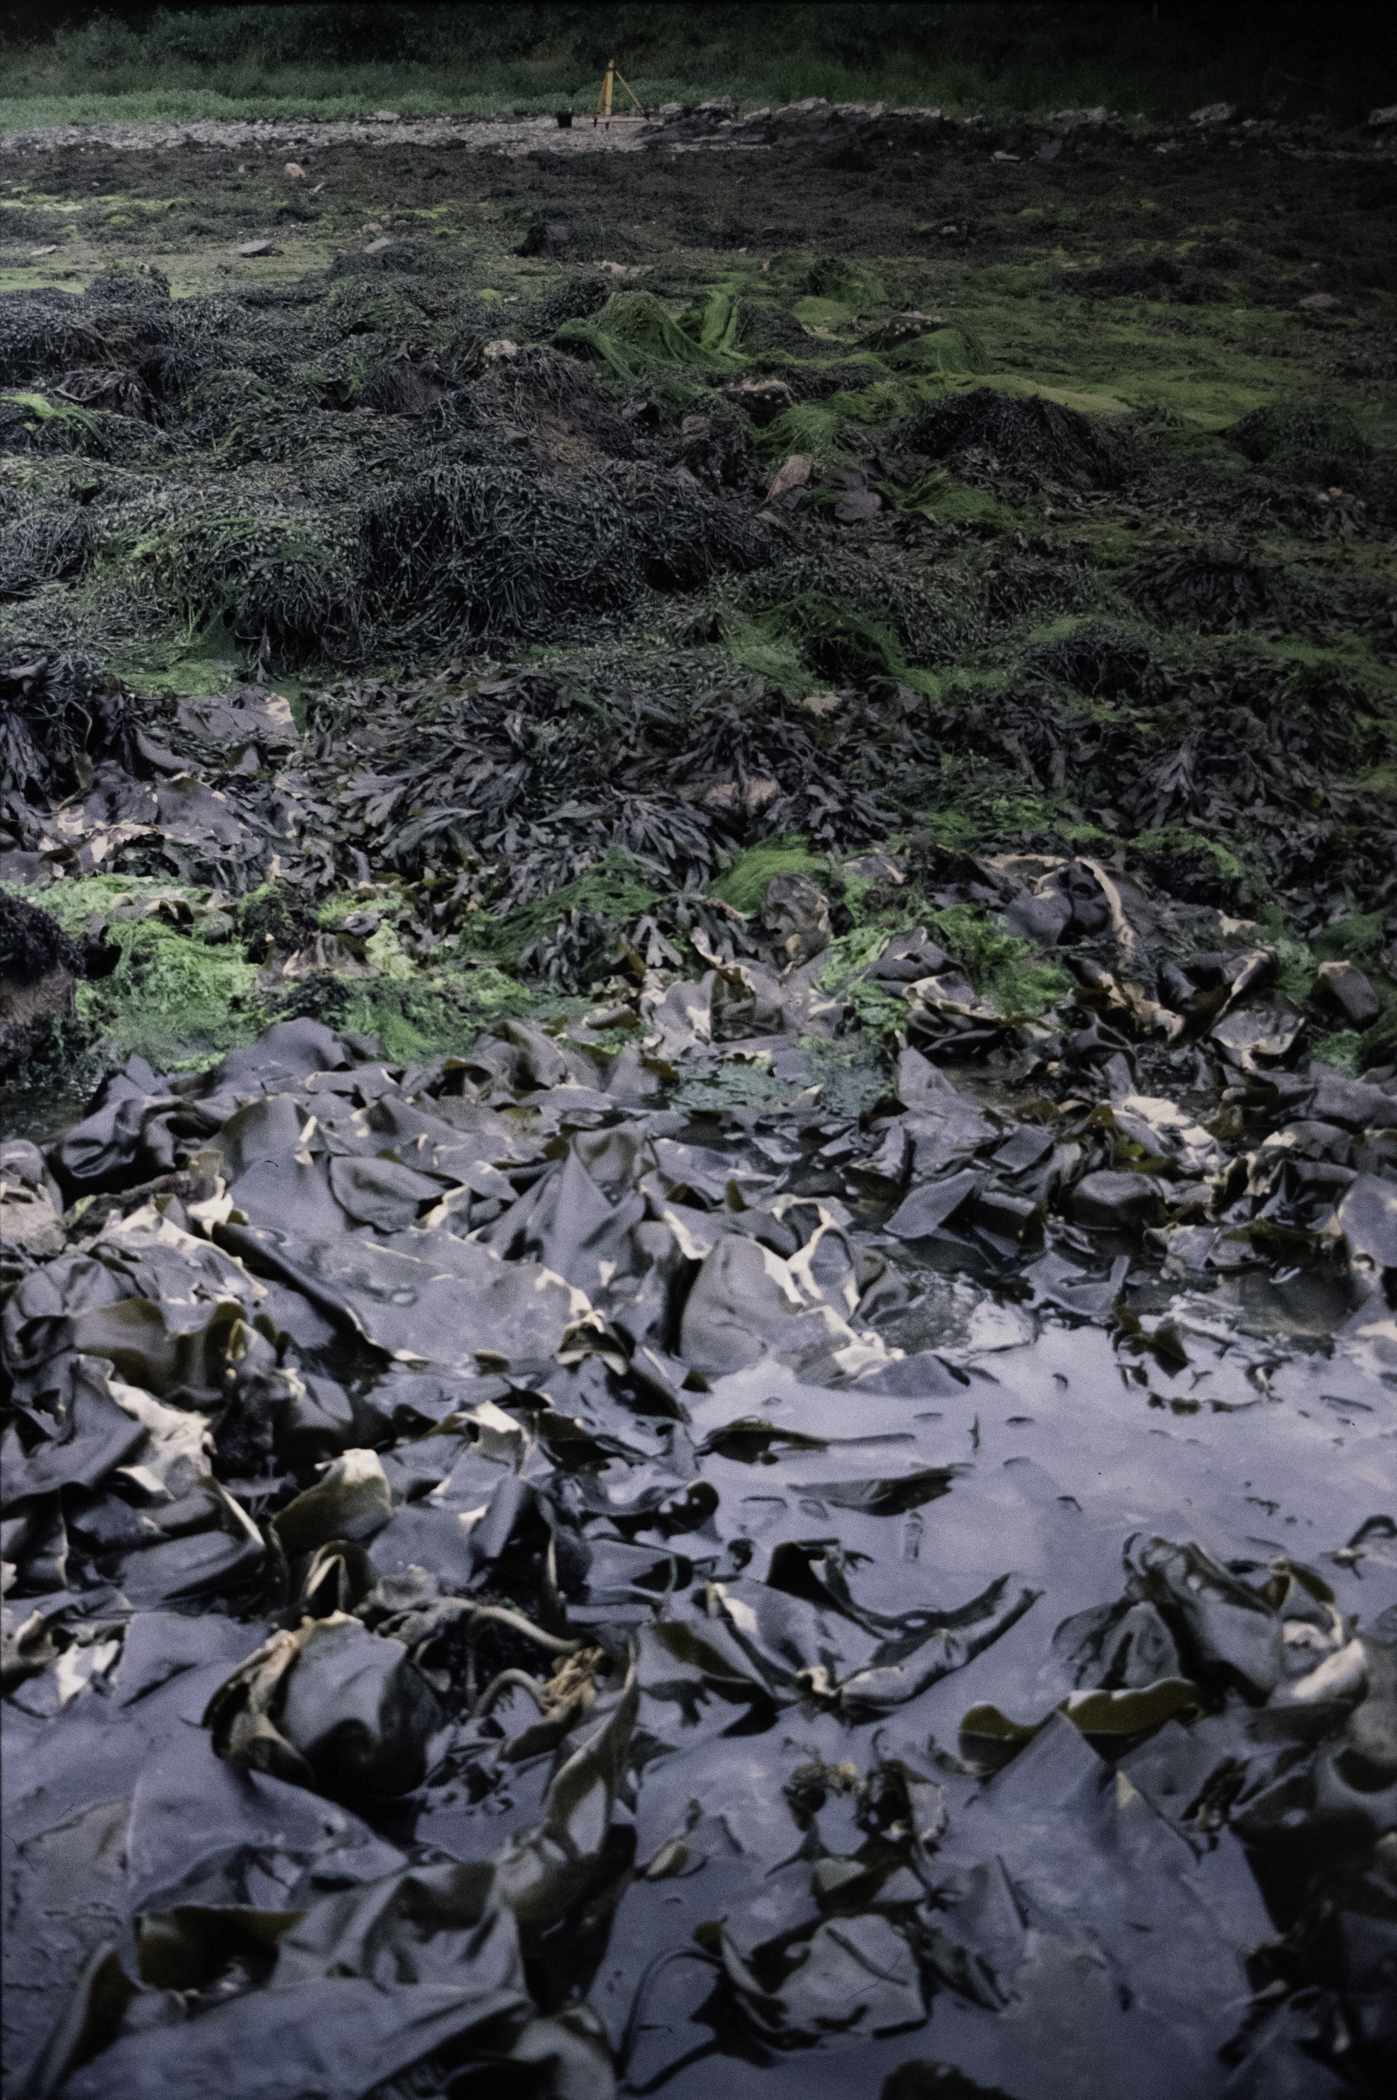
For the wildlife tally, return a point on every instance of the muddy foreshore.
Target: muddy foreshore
(700, 1187)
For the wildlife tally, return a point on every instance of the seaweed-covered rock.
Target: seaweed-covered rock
(39, 969)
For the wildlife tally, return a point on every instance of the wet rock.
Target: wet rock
(1309, 1139)
(550, 237)
(792, 475)
(1043, 916)
(1009, 1216)
(876, 867)
(351, 1501)
(1343, 986)
(920, 1083)
(1110, 1199)
(933, 1204)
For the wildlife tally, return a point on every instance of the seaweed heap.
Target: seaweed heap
(740, 947)
(409, 1664)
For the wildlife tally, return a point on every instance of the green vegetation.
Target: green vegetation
(1001, 967)
(171, 998)
(186, 987)
(616, 890)
(745, 883)
(269, 61)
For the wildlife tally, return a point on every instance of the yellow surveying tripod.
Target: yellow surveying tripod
(603, 109)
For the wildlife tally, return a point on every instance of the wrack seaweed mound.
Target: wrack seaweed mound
(465, 552)
(478, 529)
(1033, 437)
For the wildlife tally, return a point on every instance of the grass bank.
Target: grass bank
(271, 62)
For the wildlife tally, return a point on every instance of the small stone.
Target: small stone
(377, 247)
(1342, 985)
(1318, 303)
(794, 473)
(256, 248)
(386, 116)
(1380, 117)
(1010, 1217)
(294, 169)
(501, 348)
(1213, 113)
